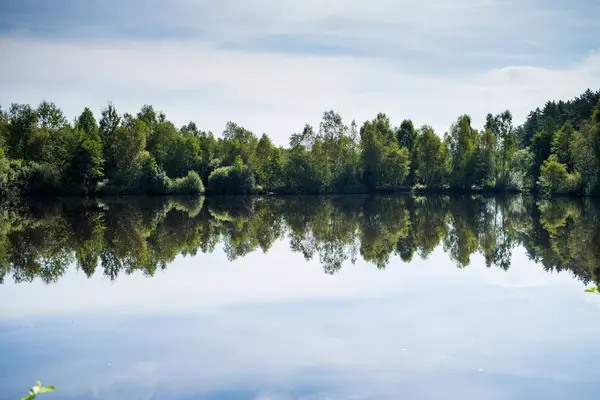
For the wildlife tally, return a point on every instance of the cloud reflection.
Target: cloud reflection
(272, 326)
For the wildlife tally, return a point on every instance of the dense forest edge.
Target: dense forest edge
(555, 151)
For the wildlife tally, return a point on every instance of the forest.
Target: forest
(144, 234)
(555, 151)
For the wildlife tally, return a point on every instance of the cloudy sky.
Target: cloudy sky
(273, 65)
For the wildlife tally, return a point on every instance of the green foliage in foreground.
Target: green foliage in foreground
(555, 151)
(593, 290)
(37, 390)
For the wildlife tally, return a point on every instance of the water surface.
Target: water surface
(349, 297)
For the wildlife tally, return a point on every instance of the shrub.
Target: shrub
(153, 180)
(190, 184)
(554, 177)
(231, 180)
(6, 176)
(38, 179)
(349, 182)
(519, 176)
(157, 182)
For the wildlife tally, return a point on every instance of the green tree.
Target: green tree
(484, 164)
(23, 132)
(5, 170)
(585, 153)
(269, 164)
(298, 170)
(506, 144)
(238, 141)
(462, 143)
(395, 166)
(375, 137)
(541, 146)
(561, 145)
(190, 129)
(84, 171)
(431, 157)
(109, 125)
(334, 135)
(50, 116)
(86, 123)
(163, 144)
(130, 152)
(406, 135)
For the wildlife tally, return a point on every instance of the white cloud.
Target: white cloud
(426, 25)
(273, 396)
(268, 92)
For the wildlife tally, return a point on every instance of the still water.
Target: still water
(316, 298)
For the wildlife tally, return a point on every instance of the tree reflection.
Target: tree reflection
(125, 235)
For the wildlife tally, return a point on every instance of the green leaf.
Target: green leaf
(591, 290)
(37, 389)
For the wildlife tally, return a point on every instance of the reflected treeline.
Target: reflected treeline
(125, 235)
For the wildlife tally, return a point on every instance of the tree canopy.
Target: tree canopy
(556, 150)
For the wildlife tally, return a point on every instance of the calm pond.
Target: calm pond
(349, 297)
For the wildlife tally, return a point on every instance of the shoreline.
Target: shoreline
(378, 192)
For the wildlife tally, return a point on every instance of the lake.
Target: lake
(314, 298)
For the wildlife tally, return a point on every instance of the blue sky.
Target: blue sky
(274, 65)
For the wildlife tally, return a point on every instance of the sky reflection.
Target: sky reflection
(273, 326)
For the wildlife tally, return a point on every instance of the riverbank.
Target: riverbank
(397, 191)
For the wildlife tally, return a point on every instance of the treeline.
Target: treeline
(115, 236)
(556, 150)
